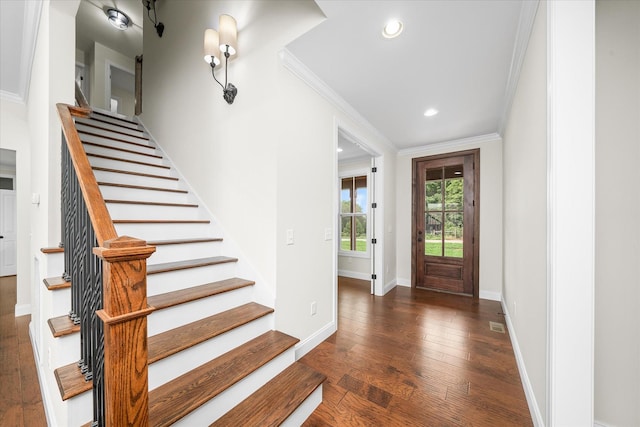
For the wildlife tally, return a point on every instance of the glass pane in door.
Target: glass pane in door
(453, 234)
(433, 234)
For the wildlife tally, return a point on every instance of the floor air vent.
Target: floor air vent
(496, 327)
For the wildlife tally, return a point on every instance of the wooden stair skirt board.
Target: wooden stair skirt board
(286, 390)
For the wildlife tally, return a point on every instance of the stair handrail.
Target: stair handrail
(119, 357)
(100, 217)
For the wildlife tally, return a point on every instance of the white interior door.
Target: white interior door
(8, 233)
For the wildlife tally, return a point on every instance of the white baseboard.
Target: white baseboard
(534, 409)
(491, 295)
(600, 424)
(22, 309)
(44, 392)
(390, 285)
(314, 340)
(354, 274)
(403, 282)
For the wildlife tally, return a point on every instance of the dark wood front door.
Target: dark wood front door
(445, 222)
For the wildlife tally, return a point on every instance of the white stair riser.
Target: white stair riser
(107, 128)
(127, 211)
(117, 164)
(117, 122)
(180, 363)
(129, 179)
(124, 155)
(304, 411)
(55, 264)
(185, 251)
(120, 193)
(163, 231)
(221, 404)
(175, 280)
(141, 146)
(65, 350)
(169, 318)
(80, 409)
(60, 303)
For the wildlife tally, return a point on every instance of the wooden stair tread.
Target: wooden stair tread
(97, 126)
(71, 381)
(175, 399)
(53, 283)
(124, 150)
(275, 401)
(174, 298)
(101, 156)
(161, 221)
(62, 325)
(124, 125)
(142, 187)
(192, 263)
(113, 138)
(148, 175)
(54, 250)
(183, 241)
(134, 202)
(175, 340)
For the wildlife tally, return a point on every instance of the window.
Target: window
(354, 202)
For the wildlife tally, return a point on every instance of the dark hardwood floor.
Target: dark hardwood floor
(417, 358)
(410, 358)
(20, 399)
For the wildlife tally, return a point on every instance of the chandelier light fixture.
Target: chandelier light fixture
(223, 42)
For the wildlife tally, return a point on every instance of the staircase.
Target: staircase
(214, 358)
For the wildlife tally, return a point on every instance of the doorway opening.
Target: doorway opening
(358, 245)
(8, 214)
(445, 223)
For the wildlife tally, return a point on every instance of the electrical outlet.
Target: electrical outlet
(328, 234)
(515, 308)
(290, 239)
(314, 308)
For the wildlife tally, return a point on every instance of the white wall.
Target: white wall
(617, 268)
(490, 210)
(101, 58)
(14, 135)
(525, 211)
(357, 267)
(249, 162)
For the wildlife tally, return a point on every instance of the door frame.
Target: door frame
(476, 214)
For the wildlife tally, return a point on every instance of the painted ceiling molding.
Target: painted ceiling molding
(293, 64)
(525, 26)
(451, 145)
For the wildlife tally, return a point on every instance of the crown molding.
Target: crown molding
(297, 68)
(451, 145)
(523, 34)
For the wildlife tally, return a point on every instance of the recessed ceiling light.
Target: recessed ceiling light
(392, 29)
(431, 112)
(339, 150)
(118, 19)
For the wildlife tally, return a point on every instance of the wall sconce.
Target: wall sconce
(226, 41)
(159, 26)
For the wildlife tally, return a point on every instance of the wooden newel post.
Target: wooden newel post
(124, 315)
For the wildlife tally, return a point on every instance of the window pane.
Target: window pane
(345, 233)
(345, 195)
(433, 234)
(361, 194)
(454, 192)
(453, 234)
(6, 183)
(360, 222)
(433, 190)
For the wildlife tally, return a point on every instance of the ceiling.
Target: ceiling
(455, 56)
(461, 57)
